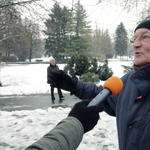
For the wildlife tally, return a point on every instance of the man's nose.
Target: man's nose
(137, 43)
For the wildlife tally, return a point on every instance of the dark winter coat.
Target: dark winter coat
(131, 108)
(52, 68)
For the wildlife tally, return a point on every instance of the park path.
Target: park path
(33, 102)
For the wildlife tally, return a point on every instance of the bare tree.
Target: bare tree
(23, 7)
(10, 20)
(32, 35)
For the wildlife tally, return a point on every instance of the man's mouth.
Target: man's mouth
(137, 53)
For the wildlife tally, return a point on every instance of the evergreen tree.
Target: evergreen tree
(80, 41)
(58, 26)
(121, 41)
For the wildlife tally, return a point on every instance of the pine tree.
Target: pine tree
(58, 25)
(80, 41)
(121, 41)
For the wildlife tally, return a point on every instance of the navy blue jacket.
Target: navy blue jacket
(131, 107)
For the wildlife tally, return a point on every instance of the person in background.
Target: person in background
(68, 134)
(131, 106)
(54, 68)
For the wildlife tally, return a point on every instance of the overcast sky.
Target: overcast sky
(105, 15)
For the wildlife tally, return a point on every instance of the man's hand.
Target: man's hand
(88, 116)
(62, 80)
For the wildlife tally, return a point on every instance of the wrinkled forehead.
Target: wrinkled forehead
(141, 31)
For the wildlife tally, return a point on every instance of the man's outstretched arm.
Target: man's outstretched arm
(68, 134)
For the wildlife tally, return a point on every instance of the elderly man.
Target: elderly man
(131, 106)
(54, 68)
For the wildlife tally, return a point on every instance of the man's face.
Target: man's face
(52, 62)
(141, 47)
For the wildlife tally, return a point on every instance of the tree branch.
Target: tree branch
(18, 3)
(8, 38)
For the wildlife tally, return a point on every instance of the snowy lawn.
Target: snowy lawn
(21, 128)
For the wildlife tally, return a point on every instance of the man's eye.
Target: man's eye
(145, 36)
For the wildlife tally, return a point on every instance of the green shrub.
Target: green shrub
(81, 64)
(90, 77)
(102, 69)
(77, 65)
(127, 68)
(70, 67)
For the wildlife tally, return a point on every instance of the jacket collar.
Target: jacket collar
(52, 65)
(137, 67)
(141, 78)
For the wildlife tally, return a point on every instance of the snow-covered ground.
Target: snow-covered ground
(32, 78)
(21, 128)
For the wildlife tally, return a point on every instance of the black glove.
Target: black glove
(62, 80)
(88, 116)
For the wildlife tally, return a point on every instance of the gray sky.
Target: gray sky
(104, 15)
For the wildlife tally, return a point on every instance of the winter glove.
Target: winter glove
(62, 80)
(88, 116)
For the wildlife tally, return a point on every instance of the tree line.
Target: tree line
(67, 32)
